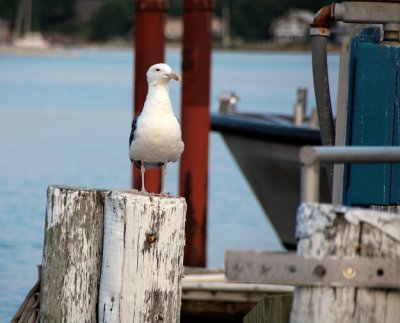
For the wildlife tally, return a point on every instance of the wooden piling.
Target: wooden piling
(71, 255)
(196, 75)
(142, 258)
(325, 231)
(139, 257)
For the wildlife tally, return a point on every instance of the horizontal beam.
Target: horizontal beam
(288, 268)
(339, 154)
(366, 12)
(311, 156)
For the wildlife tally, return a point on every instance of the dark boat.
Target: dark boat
(266, 148)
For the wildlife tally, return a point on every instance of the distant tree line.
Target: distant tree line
(47, 15)
(249, 19)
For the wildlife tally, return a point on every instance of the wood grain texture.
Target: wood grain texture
(142, 258)
(71, 255)
(272, 308)
(326, 231)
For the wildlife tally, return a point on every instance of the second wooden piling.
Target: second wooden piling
(142, 258)
(71, 255)
(325, 231)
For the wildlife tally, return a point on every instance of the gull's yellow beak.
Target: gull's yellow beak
(174, 76)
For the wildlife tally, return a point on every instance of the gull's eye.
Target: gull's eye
(157, 70)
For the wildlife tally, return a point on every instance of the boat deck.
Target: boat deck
(207, 294)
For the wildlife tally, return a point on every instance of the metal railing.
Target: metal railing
(311, 157)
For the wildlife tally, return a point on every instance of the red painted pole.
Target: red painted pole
(196, 69)
(149, 50)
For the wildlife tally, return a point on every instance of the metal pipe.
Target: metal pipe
(196, 62)
(311, 157)
(321, 88)
(150, 41)
(370, 12)
(309, 175)
(319, 41)
(349, 154)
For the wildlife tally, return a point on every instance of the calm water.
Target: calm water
(66, 120)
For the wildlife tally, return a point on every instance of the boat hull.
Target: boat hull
(268, 156)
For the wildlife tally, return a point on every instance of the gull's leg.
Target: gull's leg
(164, 178)
(142, 170)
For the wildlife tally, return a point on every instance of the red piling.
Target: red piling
(149, 50)
(196, 69)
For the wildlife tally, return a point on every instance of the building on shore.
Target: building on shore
(292, 27)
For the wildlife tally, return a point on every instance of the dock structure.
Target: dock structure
(362, 283)
(346, 268)
(196, 78)
(208, 296)
(139, 257)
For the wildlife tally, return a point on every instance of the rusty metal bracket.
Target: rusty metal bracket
(289, 268)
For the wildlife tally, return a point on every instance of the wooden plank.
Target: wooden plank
(142, 258)
(288, 268)
(326, 231)
(71, 255)
(272, 308)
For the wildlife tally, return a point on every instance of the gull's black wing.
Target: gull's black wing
(134, 125)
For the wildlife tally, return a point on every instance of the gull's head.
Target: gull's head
(161, 74)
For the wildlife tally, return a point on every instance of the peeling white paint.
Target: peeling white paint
(313, 217)
(112, 262)
(140, 281)
(386, 222)
(143, 277)
(327, 231)
(72, 255)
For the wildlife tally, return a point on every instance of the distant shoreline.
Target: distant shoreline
(71, 49)
(8, 50)
(242, 46)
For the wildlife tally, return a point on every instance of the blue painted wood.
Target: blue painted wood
(395, 184)
(372, 119)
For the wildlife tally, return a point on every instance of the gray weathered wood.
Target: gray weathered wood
(326, 231)
(272, 308)
(141, 263)
(289, 268)
(71, 255)
(142, 258)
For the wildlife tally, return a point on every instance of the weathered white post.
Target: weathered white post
(142, 258)
(139, 257)
(71, 255)
(325, 231)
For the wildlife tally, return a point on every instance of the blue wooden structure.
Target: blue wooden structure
(373, 118)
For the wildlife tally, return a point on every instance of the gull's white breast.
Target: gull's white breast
(157, 138)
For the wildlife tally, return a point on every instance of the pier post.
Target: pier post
(325, 231)
(71, 255)
(149, 50)
(196, 70)
(142, 258)
(139, 257)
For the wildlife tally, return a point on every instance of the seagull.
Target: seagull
(156, 136)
